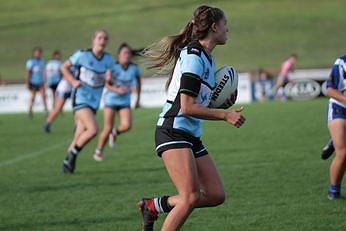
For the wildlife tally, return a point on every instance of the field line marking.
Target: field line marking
(31, 154)
(44, 150)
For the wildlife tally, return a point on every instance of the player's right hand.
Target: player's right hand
(235, 117)
(76, 83)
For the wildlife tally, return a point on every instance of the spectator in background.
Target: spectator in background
(127, 77)
(53, 73)
(286, 67)
(263, 85)
(34, 78)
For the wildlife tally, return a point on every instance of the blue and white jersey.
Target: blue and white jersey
(53, 72)
(337, 78)
(193, 75)
(36, 69)
(92, 76)
(127, 78)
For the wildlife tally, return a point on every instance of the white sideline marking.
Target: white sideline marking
(31, 154)
(52, 147)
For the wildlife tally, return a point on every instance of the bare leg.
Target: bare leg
(181, 167)
(125, 115)
(86, 118)
(32, 99)
(43, 96)
(337, 129)
(59, 104)
(108, 118)
(211, 187)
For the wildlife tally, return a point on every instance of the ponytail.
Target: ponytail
(165, 53)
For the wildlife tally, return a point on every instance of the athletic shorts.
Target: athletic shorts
(117, 107)
(167, 139)
(35, 87)
(63, 95)
(336, 111)
(53, 86)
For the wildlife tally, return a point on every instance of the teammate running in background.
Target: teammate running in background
(34, 78)
(96, 68)
(118, 100)
(286, 67)
(53, 73)
(179, 127)
(336, 89)
(63, 92)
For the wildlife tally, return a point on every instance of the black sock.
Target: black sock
(161, 204)
(75, 150)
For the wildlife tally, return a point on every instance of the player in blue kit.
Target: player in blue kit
(53, 73)
(336, 89)
(126, 79)
(179, 127)
(34, 78)
(95, 71)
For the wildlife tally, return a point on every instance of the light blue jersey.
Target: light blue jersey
(53, 72)
(193, 75)
(127, 78)
(36, 68)
(92, 76)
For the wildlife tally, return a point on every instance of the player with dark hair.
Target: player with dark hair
(34, 78)
(118, 99)
(179, 127)
(53, 73)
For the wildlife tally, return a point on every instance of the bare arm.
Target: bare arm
(65, 70)
(189, 107)
(138, 90)
(109, 84)
(335, 94)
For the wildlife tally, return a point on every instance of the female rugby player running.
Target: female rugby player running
(127, 77)
(179, 127)
(53, 73)
(63, 92)
(95, 66)
(336, 88)
(34, 78)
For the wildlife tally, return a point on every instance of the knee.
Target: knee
(125, 127)
(215, 198)
(93, 131)
(191, 199)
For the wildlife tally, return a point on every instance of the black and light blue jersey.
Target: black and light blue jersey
(193, 75)
(92, 76)
(337, 78)
(123, 77)
(36, 69)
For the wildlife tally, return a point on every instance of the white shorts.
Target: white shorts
(64, 89)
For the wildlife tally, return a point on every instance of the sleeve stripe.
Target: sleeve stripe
(189, 92)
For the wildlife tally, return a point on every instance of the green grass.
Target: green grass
(262, 32)
(271, 168)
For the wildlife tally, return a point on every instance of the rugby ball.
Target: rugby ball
(225, 90)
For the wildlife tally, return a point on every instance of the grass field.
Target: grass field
(262, 32)
(271, 168)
